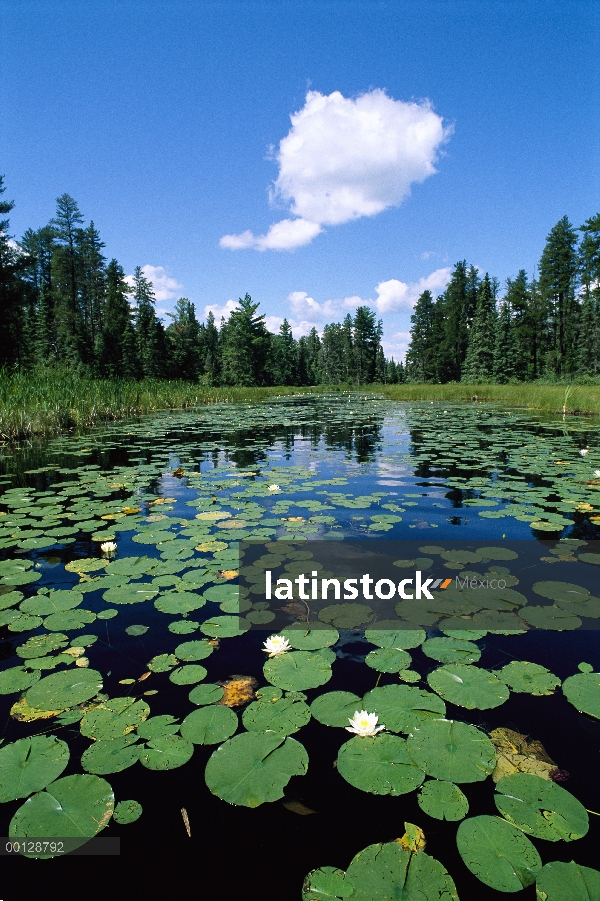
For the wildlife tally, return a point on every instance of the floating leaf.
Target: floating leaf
(379, 764)
(384, 636)
(206, 694)
(79, 805)
(346, 616)
(127, 812)
(550, 616)
(499, 854)
(55, 602)
(442, 800)
(468, 686)
(167, 752)
(162, 663)
(452, 751)
(326, 884)
(528, 678)
(382, 872)
(254, 767)
(310, 638)
(388, 660)
(519, 754)
(40, 645)
(17, 678)
(71, 619)
(65, 689)
(541, 808)
(335, 708)
(583, 691)
(558, 881)
(30, 764)
(238, 690)
(561, 591)
(114, 718)
(298, 670)
(137, 630)
(403, 708)
(112, 756)
(451, 650)
(165, 724)
(209, 725)
(130, 594)
(188, 675)
(224, 626)
(284, 716)
(193, 650)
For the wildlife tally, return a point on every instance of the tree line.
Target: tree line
(62, 303)
(546, 327)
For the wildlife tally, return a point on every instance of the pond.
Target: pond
(133, 667)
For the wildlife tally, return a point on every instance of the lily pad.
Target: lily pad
(402, 708)
(114, 718)
(528, 678)
(254, 767)
(310, 638)
(541, 808)
(17, 678)
(130, 594)
(451, 650)
(190, 651)
(30, 764)
(346, 616)
(188, 675)
(443, 800)
(560, 881)
(55, 602)
(79, 805)
(162, 663)
(165, 724)
(112, 756)
(69, 620)
(383, 872)
(335, 708)
(468, 686)
(452, 751)
(209, 725)
(284, 716)
(499, 854)
(224, 626)
(298, 670)
(136, 630)
(209, 693)
(40, 645)
(388, 660)
(127, 812)
(550, 616)
(379, 764)
(167, 752)
(64, 689)
(583, 691)
(385, 636)
(326, 884)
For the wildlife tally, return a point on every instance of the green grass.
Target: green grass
(47, 402)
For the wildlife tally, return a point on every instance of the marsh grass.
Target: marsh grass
(45, 402)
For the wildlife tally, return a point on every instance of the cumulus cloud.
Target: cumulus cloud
(394, 295)
(218, 311)
(165, 287)
(344, 159)
(303, 305)
(396, 345)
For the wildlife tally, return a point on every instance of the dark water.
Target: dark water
(265, 853)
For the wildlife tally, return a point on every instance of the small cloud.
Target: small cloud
(220, 311)
(303, 305)
(165, 287)
(345, 158)
(394, 295)
(396, 345)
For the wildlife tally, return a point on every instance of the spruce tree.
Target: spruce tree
(558, 283)
(13, 293)
(366, 337)
(479, 361)
(422, 353)
(589, 269)
(453, 315)
(505, 347)
(71, 338)
(208, 343)
(117, 354)
(147, 331)
(183, 336)
(245, 343)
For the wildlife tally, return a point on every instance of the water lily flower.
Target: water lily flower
(275, 645)
(108, 548)
(597, 473)
(584, 451)
(274, 488)
(363, 723)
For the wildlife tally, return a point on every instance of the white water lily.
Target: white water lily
(274, 488)
(108, 547)
(584, 451)
(597, 473)
(275, 645)
(363, 723)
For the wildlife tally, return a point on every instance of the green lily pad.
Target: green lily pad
(209, 725)
(167, 752)
(137, 630)
(64, 689)
(402, 708)
(528, 678)
(550, 616)
(190, 651)
(326, 884)
(452, 751)
(385, 636)
(451, 650)
(346, 616)
(127, 812)
(284, 716)
(390, 871)
(558, 881)
(129, 594)
(40, 645)
(114, 718)
(55, 602)
(336, 708)
(305, 638)
(79, 805)
(254, 767)
(443, 800)
(561, 591)
(111, 756)
(30, 764)
(183, 627)
(468, 686)
(224, 626)
(17, 679)
(162, 663)
(108, 613)
(132, 567)
(541, 808)
(388, 660)
(583, 691)
(298, 670)
(497, 553)
(188, 675)
(165, 724)
(379, 764)
(70, 620)
(209, 693)
(499, 854)
(179, 602)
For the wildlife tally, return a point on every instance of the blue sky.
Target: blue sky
(384, 141)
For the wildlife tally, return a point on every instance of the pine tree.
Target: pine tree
(400, 373)
(39, 247)
(117, 354)
(454, 314)
(208, 343)
(65, 275)
(13, 293)
(313, 347)
(380, 366)
(183, 336)
(244, 343)
(92, 284)
(505, 346)
(391, 375)
(422, 353)
(558, 283)
(147, 331)
(479, 361)
(285, 356)
(366, 337)
(589, 268)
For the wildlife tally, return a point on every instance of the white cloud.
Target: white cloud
(303, 305)
(344, 159)
(219, 311)
(396, 345)
(394, 295)
(165, 287)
